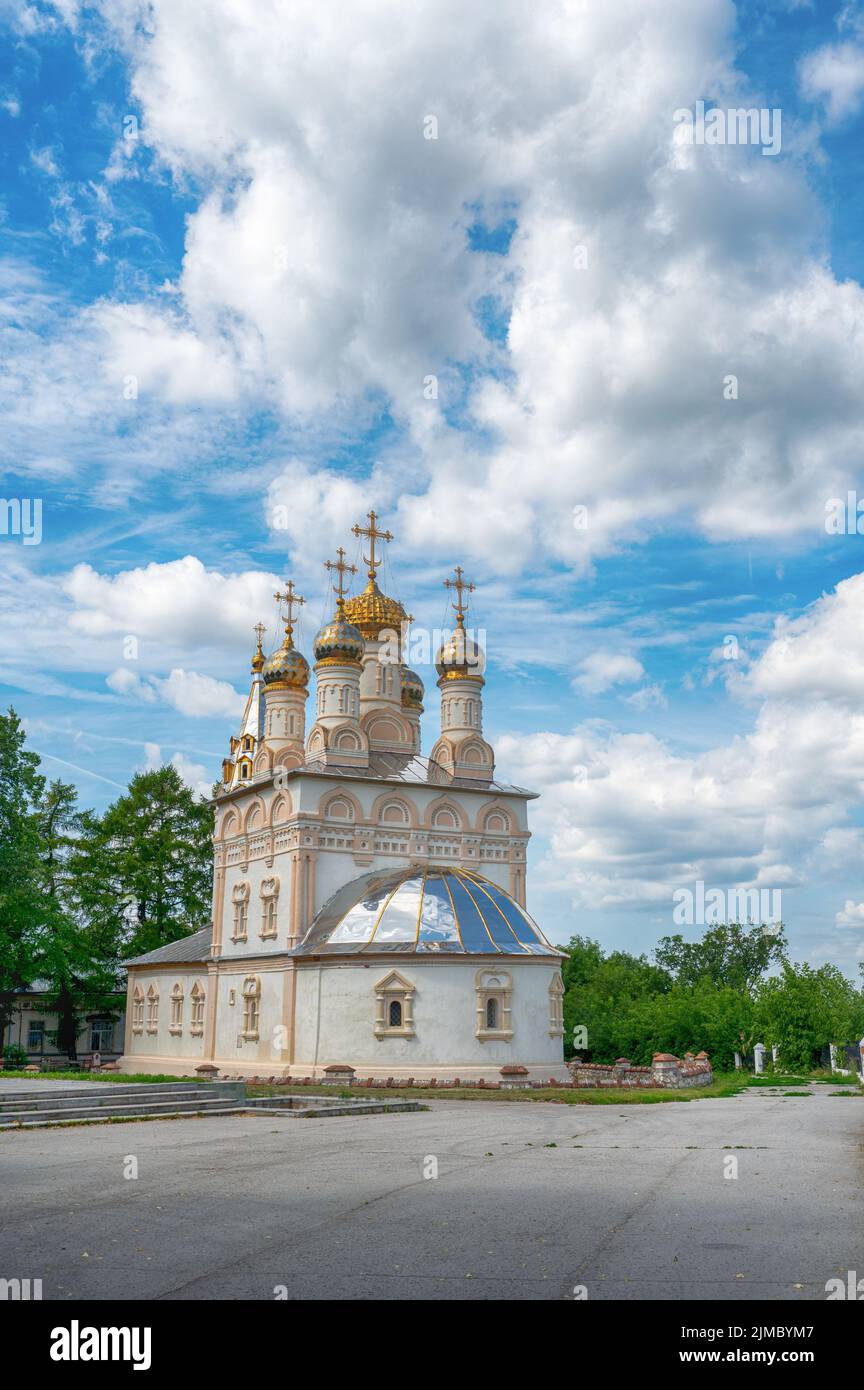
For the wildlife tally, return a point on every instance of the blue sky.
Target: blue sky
(231, 260)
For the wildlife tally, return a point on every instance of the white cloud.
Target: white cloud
(124, 681)
(851, 914)
(834, 75)
(328, 270)
(628, 819)
(179, 602)
(601, 670)
(191, 694)
(819, 656)
(197, 695)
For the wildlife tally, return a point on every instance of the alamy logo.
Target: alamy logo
(852, 1289)
(77, 1343)
(737, 126)
(717, 905)
(20, 1290)
(22, 516)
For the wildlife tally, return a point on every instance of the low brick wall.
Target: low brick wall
(666, 1071)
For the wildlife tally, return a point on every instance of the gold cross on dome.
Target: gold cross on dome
(289, 598)
(259, 629)
(342, 569)
(372, 534)
(462, 587)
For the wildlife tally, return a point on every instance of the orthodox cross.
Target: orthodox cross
(289, 598)
(342, 569)
(462, 587)
(259, 629)
(372, 534)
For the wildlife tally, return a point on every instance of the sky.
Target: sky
(266, 264)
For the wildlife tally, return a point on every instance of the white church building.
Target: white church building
(369, 903)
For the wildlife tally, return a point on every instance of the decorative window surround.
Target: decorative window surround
(152, 1010)
(176, 1024)
(270, 908)
(240, 898)
(556, 1008)
(138, 1010)
(394, 990)
(198, 997)
(493, 987)
(251, 1008)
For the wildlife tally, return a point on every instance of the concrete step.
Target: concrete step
(29, 1119)
(111, 1095)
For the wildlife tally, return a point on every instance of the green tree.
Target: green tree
(21, 868)
(803, 1009)
(144, 871)
(79, 966)
(728, 954)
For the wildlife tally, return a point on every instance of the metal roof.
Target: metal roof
(188, 950)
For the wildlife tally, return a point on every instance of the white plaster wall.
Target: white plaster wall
(445, 1017)
(230, 1044)
(257, 870)
(163, 1043)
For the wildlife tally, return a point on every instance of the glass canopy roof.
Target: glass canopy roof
(434, 909)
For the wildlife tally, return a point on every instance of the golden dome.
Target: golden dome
(460, 657)
(412, 689)
(286, 668)
(373, 612)
(339, 640)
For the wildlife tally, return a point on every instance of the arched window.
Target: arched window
(240, 898)
(556, 1007)
(269, 906)
(394, 1007)
(494, 993)
(197, 1021)
(138, 1010)
(152, 1009)
(176, 1024)
(251, 1007)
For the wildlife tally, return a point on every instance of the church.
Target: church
(369, 903)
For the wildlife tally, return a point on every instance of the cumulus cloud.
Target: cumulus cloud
(628, 819)
(180, 601)
(851, 914)
(329, 268)
(819, 656)
(601, 670)
(834, 75)
(190, 693)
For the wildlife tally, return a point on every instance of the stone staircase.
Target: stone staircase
(118, 1101)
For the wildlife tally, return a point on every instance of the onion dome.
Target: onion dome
(287, 668)
(412, 689)
(258, 658)
(339, 640)
(417, 910)
(460, 657)
(373, 612)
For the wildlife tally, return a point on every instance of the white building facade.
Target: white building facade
(368, 903)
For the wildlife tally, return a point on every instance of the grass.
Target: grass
(725, 1084)
(779, 1080)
